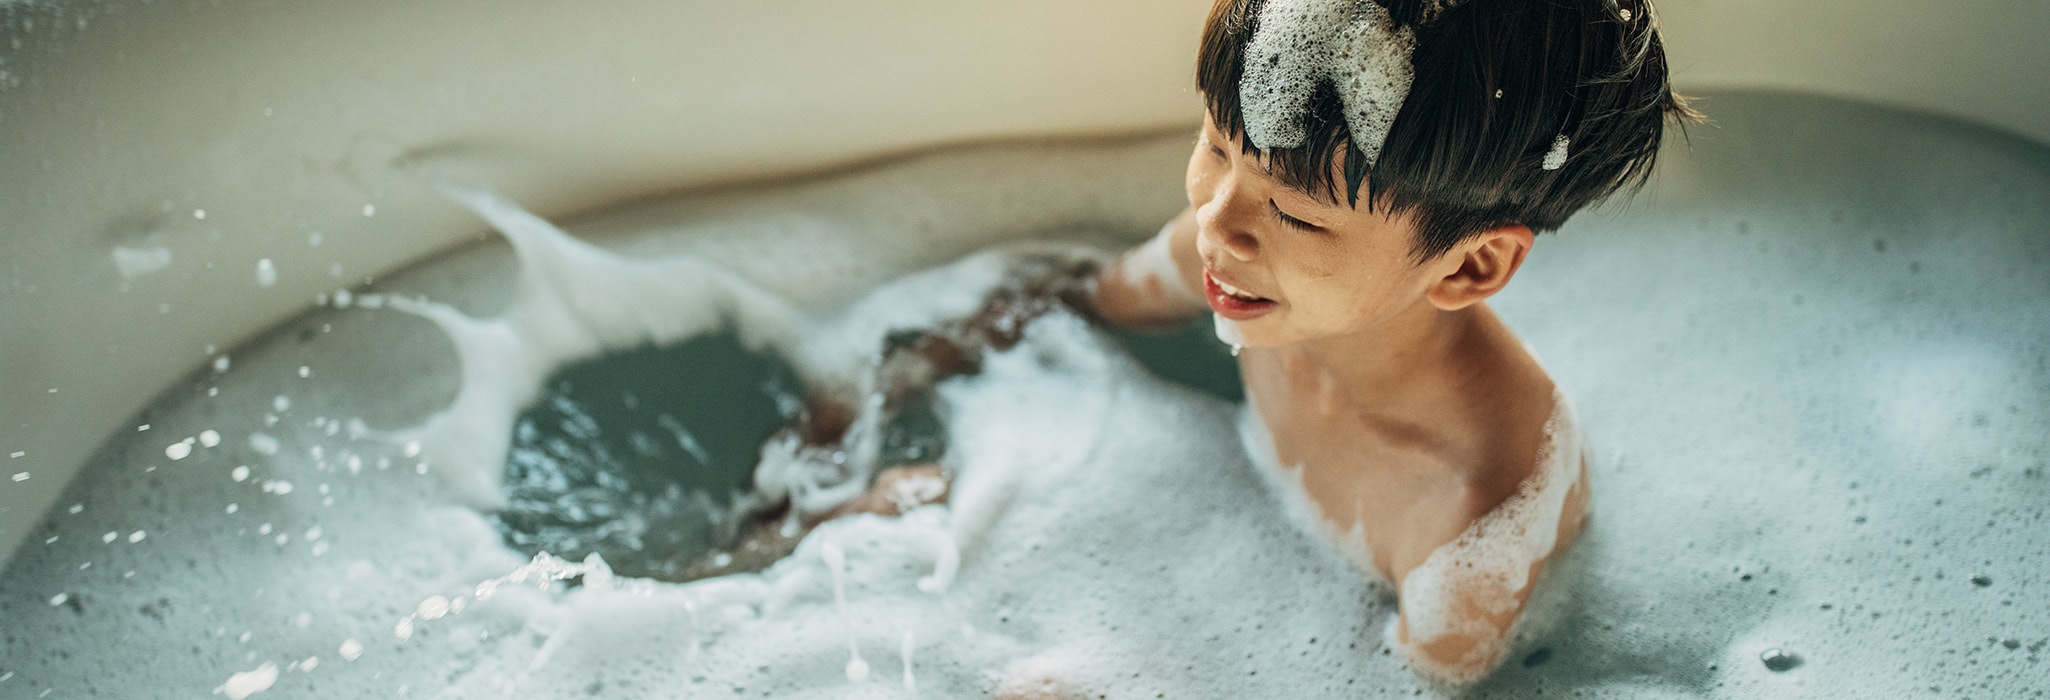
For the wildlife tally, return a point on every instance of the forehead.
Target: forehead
(1235, 146)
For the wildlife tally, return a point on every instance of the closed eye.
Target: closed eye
(1291, 221)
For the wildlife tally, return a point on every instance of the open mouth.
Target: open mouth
(1232, 302)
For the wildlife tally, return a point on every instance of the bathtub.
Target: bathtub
(179, 179)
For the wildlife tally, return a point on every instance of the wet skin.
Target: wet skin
(1404, 406)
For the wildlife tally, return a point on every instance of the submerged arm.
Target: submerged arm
(1156, 283)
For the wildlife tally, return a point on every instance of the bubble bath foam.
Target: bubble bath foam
(1808, 358)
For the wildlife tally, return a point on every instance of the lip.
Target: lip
(1232, 307)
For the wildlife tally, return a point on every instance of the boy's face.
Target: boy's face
(1287, 266)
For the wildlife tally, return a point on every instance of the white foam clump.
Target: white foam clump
(1555, 158)
(247, 683)
(137, 262)
(264, 444)
(1298, 44)
(1229, 333)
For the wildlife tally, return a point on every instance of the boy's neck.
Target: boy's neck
(1415, 363)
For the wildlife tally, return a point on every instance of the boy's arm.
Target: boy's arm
(1157, 283)
(1455, 621)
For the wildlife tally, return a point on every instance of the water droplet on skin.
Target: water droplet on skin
(1778, 660)
(61, 598)
(266, 273)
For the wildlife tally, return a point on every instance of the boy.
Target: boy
(1368, 173)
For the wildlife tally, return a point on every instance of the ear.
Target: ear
(1480, 267)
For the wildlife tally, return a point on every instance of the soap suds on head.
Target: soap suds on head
(1298, 44)
(1555, 158)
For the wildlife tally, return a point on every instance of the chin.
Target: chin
(1257, 333)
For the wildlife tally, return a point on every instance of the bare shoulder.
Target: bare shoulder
(1461, 602)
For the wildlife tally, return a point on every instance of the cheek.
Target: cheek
(1340, 295)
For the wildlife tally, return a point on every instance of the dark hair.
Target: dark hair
(1461, 159)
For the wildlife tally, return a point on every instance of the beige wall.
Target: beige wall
(281, 119)
(1981, 60)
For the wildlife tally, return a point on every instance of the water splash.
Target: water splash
(836, 564)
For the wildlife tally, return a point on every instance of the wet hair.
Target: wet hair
(1497, 82)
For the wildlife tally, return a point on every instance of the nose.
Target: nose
(1228, 220)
